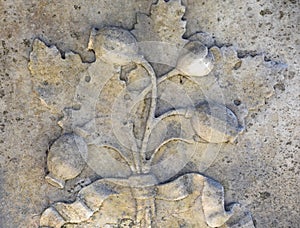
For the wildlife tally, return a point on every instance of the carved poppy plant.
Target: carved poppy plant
(125, 134)
(135, 160)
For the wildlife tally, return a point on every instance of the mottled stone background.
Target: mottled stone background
(261, 171)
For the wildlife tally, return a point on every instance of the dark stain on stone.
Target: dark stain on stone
(264, 195)
(265, 12)
(279, 86)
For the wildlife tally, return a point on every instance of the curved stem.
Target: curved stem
(178, 112)
(168, 75)
(151, 115)
(177, 72)
(136, 167)
(160, 80)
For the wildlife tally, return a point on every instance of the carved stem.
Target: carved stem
(136, 159)
(145, 212)
(168, 75)
(151, 115)
(177, 112)
(145, 206)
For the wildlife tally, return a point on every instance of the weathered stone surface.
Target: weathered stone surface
(252, 44)
(51, 218)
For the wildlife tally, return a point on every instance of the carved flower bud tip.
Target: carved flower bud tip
(195, 60)
(114, 45)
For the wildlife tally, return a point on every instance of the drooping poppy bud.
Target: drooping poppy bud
(215, 123)
(195, 60)
(114, 45)
(64, 160)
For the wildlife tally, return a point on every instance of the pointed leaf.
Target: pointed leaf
(107, 161)
(113, 106)
(172, 125)
(171, 157)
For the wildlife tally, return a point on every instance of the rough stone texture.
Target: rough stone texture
(261, 171)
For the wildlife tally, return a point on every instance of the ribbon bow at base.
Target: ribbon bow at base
(192, 200)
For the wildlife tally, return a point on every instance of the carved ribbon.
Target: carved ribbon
(90, 199)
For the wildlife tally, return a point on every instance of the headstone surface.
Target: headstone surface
(165, 114)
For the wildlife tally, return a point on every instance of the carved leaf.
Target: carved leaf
(178, 92)
(131, 107)
(172, 125)
(114, 107)
(244, 81)
(104, 160)
(164, 23)
(171, 157)
(165, 26)
(55, 78)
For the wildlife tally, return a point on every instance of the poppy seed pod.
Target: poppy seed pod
(64, 160)
(114, 45)
(195, 60)
(215, 123)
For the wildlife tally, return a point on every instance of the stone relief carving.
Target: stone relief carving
(137, 116)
